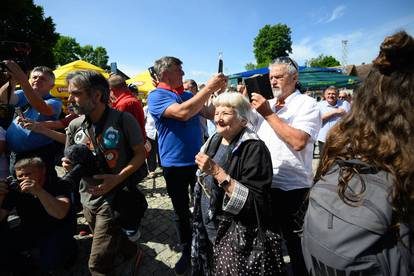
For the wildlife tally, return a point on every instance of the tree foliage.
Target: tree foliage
(22, 20)
(100, 57)
(250, 66)
(323, 61)
(67, 49)
(272, 42)
(97, 56)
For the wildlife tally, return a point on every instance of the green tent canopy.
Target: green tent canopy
(311, 78)
(314, 79)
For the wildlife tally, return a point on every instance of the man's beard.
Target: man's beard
(83, 110)
(277, 92)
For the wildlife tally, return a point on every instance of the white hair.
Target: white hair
(235, 100)
(292, 66)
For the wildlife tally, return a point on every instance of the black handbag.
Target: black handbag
(241, 250)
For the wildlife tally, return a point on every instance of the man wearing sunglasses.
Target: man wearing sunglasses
(288, 124)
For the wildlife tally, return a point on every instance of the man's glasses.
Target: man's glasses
(287, 60)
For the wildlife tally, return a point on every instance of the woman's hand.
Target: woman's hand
(206, 164)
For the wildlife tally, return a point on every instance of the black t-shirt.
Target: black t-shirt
(33, 215)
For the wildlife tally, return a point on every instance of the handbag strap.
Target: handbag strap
(260, 236)
(98, 150)
(259, 225)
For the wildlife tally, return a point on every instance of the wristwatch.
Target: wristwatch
(225, 182)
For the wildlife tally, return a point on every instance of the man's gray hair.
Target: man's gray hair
(332, 88)
(29, 162)
(291, 64)
(45, 70)
(237, 101)
(90, 81)
(165, 63)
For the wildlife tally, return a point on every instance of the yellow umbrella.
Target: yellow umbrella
(143, 81)
(60, 90)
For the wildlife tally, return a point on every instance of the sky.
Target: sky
(135, 33)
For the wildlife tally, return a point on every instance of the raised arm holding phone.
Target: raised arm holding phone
(175, 113)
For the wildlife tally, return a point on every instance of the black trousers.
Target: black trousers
(153, 155)
(285, 205)
(178, 179)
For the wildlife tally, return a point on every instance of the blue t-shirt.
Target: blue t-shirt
(178, 141)
(20, 139)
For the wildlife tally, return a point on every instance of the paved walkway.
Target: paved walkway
(158, 240)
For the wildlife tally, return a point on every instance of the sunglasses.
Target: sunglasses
(287, 60)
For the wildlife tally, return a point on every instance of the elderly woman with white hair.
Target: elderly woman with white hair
(235, 174)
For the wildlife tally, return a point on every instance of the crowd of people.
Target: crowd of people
(238, 171)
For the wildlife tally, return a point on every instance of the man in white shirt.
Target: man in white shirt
(289, 125)
(332, 109)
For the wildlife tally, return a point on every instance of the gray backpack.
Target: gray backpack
(339, 239)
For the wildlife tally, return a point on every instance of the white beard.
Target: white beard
(277, 92)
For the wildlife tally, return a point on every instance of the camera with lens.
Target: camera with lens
(16, 51)
(84, 163)
(13, 183)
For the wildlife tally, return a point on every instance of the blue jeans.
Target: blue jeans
(178, 179)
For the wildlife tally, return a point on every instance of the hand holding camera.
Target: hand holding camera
(15, 72)
(30, 186)
(16, 52)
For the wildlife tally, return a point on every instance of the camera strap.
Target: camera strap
(98, 150)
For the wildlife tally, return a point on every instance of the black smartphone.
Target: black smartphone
(260, 84)
(152, 73)
(220, 65)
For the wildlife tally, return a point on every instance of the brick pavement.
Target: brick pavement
(158, 240)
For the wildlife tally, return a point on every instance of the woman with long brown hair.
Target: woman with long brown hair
(377, 133)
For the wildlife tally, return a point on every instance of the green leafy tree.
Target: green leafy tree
(250, 66)
(101, 57)
(87, 53)
(323, 61)
(22, 20)
(272, 42)
(66, 50)
(97, 56)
